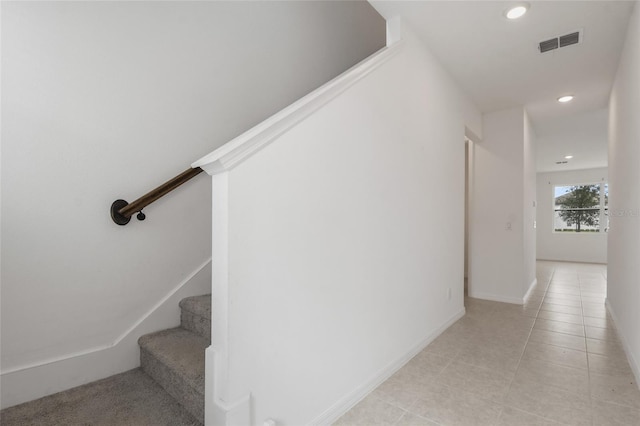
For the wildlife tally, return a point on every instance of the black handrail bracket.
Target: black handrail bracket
(115, 214)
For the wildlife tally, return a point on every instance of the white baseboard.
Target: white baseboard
(633, 362)
(495, 297)
(530, 290)
(217, 410)
(570, 260)
(338, 409)
(32, 381)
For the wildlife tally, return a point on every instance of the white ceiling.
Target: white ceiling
(496, 61)
(582, 135)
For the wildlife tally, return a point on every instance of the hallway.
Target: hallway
(555, 360)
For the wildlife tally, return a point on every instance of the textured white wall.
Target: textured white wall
(345, 237)
(583, 247)
(102, 100)
(496, 269)
(623, 293)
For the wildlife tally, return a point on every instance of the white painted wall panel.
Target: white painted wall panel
(106, 100)
(529, 204)
(496, 217)
(345, 236)
(623, 293)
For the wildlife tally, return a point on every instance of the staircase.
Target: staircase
(174, 358)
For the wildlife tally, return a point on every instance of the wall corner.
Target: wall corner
(394, 30)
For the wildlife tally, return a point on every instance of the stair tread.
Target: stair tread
(180, 350)
(130, 398)
(199, 305)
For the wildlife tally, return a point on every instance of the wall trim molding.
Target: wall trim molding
(250, 142)
(343, 405)
(572, 261)
(635, 366)
(218, 411)
(528, 293)
(496, 298)
(119, 339)
(37, 379)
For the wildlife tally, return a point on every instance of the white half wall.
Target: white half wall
(623, 290)
(342, 244)
(502, 239)
(106, 100)
(587, 247)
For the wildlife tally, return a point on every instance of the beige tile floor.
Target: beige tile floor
(555, 360)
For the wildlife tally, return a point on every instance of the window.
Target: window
(581, 208)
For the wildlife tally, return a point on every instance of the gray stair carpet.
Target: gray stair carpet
(175, 359)
(171, 392)
(195, 315)
(130, 398)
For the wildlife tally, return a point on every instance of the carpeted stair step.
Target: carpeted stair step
(195, 315)
(130, 398)
(175, 359)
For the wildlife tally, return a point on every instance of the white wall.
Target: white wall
(467, 149)
(501, 225)
(345, 236)
(623, 291)
(529, 204)
(570, 247)
(102, 100)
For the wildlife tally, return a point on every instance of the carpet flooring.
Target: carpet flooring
(131, 398)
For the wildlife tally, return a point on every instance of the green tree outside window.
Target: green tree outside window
(579, 207)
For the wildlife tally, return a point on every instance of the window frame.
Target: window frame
(603, 208)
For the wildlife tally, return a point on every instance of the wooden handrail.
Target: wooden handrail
(121, 211)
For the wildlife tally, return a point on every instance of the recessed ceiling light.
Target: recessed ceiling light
(564, 99)
(517, 11)
(568, 157)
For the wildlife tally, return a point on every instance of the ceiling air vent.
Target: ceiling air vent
(560, 41)
(569, 39)
(548, 45)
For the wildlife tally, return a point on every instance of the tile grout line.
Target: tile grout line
(507, 406)
(527, 341)
(410, 409)
(586, 350)
(585, 344)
